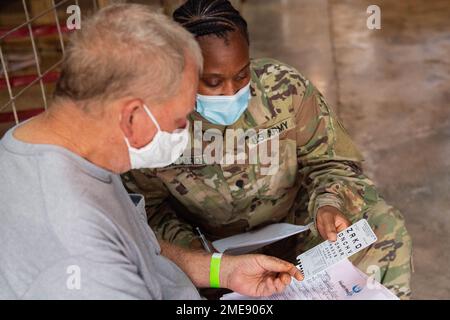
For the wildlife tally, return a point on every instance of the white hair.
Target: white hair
(126, 49)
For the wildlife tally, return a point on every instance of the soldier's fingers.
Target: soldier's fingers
(321, 227)
(331, 232)
(341, 223)
(327, 224)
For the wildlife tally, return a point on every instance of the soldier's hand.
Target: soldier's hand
(257, 275)
(330, 221)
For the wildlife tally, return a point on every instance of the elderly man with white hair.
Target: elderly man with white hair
(68, 228)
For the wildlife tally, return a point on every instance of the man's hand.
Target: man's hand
(251, 275)
(330, 221)
(256, 275)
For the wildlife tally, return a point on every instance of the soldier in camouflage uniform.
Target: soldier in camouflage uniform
(319, 167)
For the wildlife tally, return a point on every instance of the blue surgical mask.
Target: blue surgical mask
(223, 110)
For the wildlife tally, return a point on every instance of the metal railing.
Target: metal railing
(13, 85)
(41, 74)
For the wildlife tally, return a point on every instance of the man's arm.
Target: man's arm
(252, 275)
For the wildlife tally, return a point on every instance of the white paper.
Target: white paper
(341, 281)
(349, 241)
(250, 241)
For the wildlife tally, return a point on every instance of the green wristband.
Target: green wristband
(214, 271)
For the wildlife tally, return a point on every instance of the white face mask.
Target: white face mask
(163, 150)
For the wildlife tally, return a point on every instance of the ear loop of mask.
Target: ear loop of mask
(153, 120)
(152, 117)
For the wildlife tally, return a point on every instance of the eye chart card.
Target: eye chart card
(349, 241)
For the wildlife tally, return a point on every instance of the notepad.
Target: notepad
(341, 281)
(252, 240)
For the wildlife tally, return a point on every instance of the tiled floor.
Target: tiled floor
(391, 88)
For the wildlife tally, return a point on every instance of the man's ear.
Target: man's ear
(128, 113)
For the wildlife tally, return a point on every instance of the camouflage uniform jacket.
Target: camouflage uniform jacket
(317, 162)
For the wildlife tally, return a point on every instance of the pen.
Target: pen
(203, 240)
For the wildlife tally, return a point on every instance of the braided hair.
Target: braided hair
(210, 17)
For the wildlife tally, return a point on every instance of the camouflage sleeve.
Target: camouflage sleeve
(329, 162)
(162, 218)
